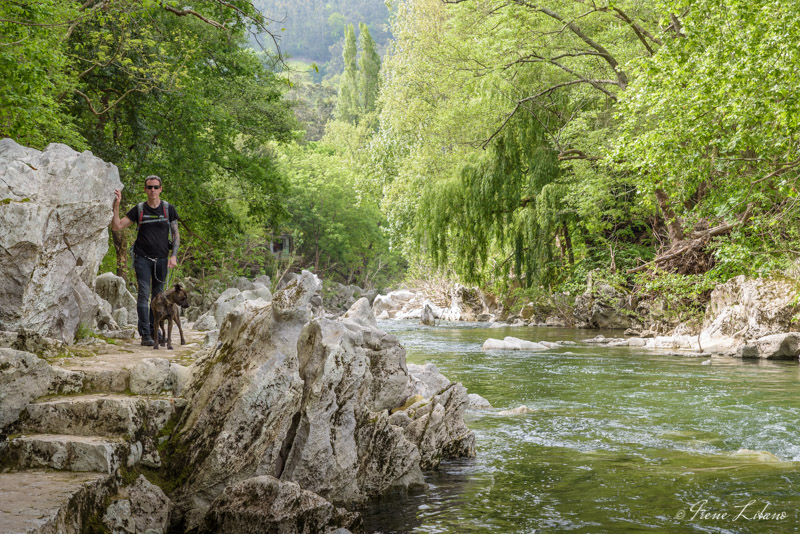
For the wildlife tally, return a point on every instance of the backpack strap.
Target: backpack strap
(165, 218)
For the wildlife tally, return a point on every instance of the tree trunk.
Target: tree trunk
(122, 253)
(674, 224)
(568, 243)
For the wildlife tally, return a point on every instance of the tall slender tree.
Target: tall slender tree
(347, 105)
(369, 68)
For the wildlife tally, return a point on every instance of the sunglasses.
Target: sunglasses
(153, 187)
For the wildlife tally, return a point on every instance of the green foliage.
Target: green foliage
(369, 68)
(337, 234)
(683, 297)
(347, 107)
(35, 72)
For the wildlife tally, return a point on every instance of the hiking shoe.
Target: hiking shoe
(148, 342)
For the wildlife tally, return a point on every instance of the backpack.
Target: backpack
(139, 222)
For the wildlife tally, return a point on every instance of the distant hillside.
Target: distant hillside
(315, 27)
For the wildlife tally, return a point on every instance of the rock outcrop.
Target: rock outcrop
(55, 207)
(266, 504)
(307, 399)
(114, 290)
(460, 303)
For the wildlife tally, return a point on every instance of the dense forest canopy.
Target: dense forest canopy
(510, 144)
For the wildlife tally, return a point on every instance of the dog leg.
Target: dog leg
(169, 333)
(180, 328)
(156, 329)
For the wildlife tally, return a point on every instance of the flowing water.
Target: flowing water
(619, 440)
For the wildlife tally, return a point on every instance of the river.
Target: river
(619, 440)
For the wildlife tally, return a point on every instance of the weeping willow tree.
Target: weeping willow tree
(505, 217)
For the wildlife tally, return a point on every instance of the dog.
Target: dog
(166, 307)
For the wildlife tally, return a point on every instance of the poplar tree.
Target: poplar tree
(369, 68)
(347, 105)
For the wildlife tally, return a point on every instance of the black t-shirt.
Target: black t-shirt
(153, 237)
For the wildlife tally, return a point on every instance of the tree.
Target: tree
(369, 70)
(347, 108)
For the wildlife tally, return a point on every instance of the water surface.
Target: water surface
(620, 440)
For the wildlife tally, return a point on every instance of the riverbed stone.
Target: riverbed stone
(427, 317)
(361, 313)
(512, 343)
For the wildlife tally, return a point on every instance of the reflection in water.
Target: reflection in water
(619, 440)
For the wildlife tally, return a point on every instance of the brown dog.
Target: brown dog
(166, 306)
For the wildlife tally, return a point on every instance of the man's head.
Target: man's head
(152, 186)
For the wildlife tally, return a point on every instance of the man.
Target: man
(156, 220)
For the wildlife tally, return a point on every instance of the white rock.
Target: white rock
(773, 347)
(477, 402)
(205, 322)
(425, 380)
(113, 289)
(151, 376)
(427, 317)
(143, 508)
(307, 399)
(361, 313)
(226, 303)
(520, 410)
(512, 343)
(55, 235)
(24, 377)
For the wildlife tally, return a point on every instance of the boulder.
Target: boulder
(437, 427)
(751, 308)
(113, 289)
(226, 302)
(266, 504)
(477, 402)
(425, 380)
(428, 318)
(512, 343)
(141, 508)
(773, 347)
(361, 313)
(55, 208)
(24, 377)
(205, 322)
(305, 399)
(519, 410)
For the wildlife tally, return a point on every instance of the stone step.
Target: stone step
(44, 501)
(102, 415)
(68, 453)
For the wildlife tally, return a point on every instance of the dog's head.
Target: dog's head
(180, 296)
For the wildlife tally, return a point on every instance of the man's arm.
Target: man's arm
(176, 240)
(116, 222)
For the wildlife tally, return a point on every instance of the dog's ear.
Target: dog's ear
(178, 287)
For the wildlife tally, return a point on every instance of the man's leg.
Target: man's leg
(159, 278)
(144, 273)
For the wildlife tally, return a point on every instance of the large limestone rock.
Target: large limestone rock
(751, 308)
(307, 399)
(266, 504)
(24, 377)
(113, 289)
(55, 208)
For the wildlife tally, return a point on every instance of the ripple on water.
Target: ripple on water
(618, 440)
